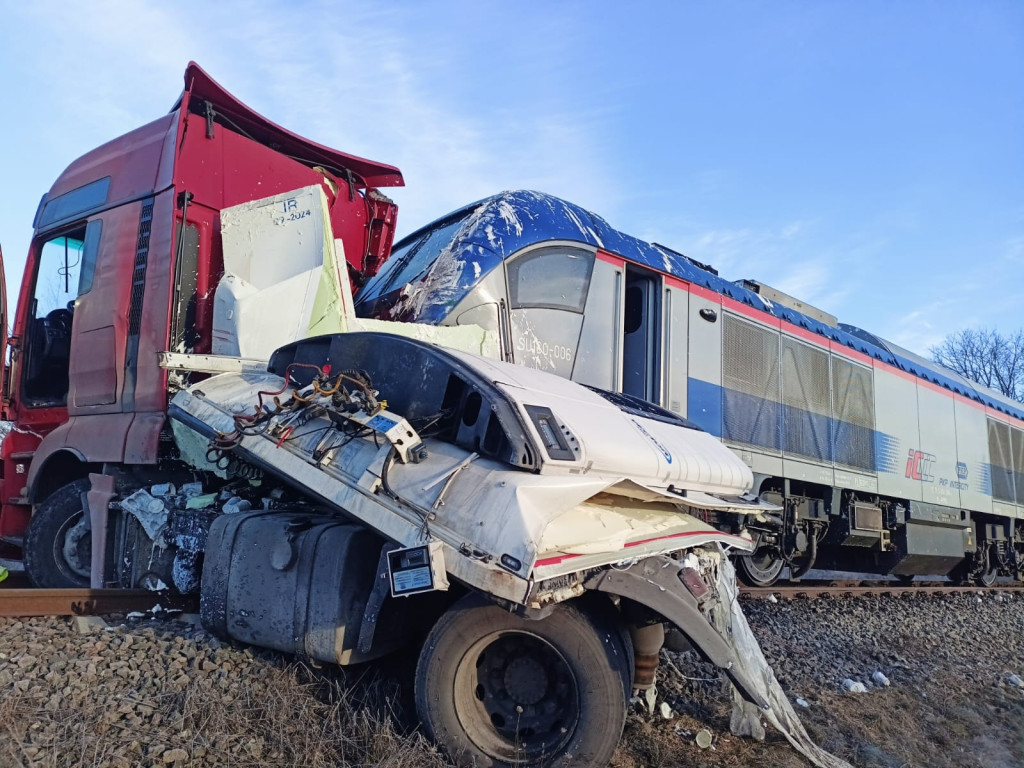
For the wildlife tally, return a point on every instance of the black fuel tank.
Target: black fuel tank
(294, 581)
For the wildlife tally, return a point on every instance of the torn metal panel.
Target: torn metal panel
(730, 622)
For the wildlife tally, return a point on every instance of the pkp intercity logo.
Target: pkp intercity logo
(920, 465)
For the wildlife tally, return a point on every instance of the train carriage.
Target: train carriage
(882, 461)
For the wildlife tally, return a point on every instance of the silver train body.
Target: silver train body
(882, 461)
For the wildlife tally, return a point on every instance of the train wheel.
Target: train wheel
(987, 578)
(760, 569)
(494, 689)
(58, 545)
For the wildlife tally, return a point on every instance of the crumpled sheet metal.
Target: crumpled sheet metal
(729, 620)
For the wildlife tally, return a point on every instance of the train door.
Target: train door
(547, 294)
(675, 336)
(641, 331)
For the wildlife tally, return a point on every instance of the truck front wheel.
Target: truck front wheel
(58, 544)
(494, 689)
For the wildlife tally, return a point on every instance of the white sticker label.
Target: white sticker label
(407, 581)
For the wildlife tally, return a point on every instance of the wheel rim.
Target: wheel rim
(72, 549)
(761, 569)
(516, 697)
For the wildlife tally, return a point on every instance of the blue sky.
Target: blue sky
(867, 157)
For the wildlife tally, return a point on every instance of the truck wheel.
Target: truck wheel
(58, 546)
(494, 689)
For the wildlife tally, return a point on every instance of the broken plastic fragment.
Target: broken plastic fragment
(854, 687)
(192, 489)
(201, 502)
(880, 679)
(236, 504)
(150, 512)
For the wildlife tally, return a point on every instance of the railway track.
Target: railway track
(81, 602)
(27, 602)
(808, 591)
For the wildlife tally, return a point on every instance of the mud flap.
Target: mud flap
(726, 640)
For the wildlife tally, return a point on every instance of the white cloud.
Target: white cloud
(352, 77)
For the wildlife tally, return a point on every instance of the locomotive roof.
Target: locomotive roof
(507, 222)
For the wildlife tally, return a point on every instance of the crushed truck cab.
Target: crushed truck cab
(510, 513)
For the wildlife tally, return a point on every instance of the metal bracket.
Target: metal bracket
(656, 582)
(380, 592)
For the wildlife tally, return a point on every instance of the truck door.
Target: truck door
(46, 346)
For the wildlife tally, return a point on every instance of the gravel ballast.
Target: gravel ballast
(165, 693)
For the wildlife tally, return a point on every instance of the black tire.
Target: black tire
(57, 553)
(759, 569)
(494, 689)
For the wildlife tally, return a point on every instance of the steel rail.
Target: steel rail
(81, 602)
(888, 590)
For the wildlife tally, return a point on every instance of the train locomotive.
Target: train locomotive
(880, 460)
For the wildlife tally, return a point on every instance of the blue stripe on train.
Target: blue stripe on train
(755, 421)
(742, 418)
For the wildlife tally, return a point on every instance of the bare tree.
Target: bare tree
(987, 357)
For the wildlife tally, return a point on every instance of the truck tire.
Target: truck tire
(58, 547)
(494, 689)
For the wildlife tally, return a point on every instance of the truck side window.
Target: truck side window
(90, 248)
(65, 269)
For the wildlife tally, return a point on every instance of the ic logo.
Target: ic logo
(961, 470)
(919, 466)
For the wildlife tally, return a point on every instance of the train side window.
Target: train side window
(556, 278)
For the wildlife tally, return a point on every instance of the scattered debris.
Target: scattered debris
(666, 711)
(86, 625)
(149, 511)
(703, 738)
(880, 679)
(1015, 681)
(772, 598)
(201, 501)
(854, 686)
(801, 702)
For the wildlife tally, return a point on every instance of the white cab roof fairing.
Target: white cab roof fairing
(652, 453)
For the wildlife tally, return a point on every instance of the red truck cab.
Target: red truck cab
(123, 264)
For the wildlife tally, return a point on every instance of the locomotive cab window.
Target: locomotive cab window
(556, 278)
(64, 271)
(411, 259)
